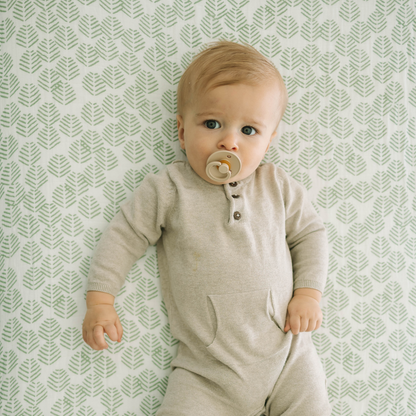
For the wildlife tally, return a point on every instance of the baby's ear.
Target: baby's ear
(180, 122)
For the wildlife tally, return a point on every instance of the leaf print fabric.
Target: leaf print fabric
(88, 102)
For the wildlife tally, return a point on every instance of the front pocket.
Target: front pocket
(245, 331)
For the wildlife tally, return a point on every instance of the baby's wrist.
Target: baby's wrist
(313, 293)
(99, 298)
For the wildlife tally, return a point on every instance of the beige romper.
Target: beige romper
(230, 257)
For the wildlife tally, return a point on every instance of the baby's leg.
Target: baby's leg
(301, 387)
(189, 394)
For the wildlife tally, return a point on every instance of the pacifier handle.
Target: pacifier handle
(222, 165)
(222, 168)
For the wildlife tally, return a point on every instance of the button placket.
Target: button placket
(236, 206)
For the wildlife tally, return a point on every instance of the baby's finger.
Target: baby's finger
(304, 324)
(119, 330)
(295, 324)
(98, 337)
(111, 331)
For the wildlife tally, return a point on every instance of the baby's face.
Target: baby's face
(240, 118)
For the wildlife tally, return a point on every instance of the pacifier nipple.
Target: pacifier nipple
(223, 165)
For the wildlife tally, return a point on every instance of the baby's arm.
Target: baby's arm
(307, 241)
(138, 224)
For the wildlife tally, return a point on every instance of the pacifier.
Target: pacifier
(223, 165)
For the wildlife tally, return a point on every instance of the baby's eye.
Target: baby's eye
(247, 130)
(211, 123)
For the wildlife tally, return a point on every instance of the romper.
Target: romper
(230, 257)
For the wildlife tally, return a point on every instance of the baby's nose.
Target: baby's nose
(228, 142)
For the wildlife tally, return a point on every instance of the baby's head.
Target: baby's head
(230, 97)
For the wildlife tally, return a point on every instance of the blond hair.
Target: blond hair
(224, 63)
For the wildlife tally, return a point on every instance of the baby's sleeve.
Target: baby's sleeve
(305, 235)
(138, 224)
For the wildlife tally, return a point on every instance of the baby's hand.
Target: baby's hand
(100, 319)
(303, 314)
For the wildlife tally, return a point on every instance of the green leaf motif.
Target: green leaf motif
(67, 68)
(133, 40)
(9, 86)
(401, 34)
(377, 21)
(48, 114)
(70, 125)
(94, 175)
(29, 95)
(113, 135)
(106, 48)
(134, 152)
(64, 93)
(9, 116)
(111, 6)
(287, 27)
(89, 207)
(114, 106)
(63, 196)
(29, 154)
(132, 8)
(191, 36)
(23, 10)
(51, 237)
(7, 30)
(47, 21)
(66, 38)
(349, 11)
(89, 26)
(150, 26)
(184, 9)
(26, 125)
(48, 138)
(113, 77)
(11, 216)
(48, 50)
(87, 55)
(129, 63)
(134, 96)
(150, 112)
(161, 358)
(59, 166)
(164, 153)
(67, 11)
(398, 61)
(106, 159)
(27, 36)
(92, 114)
(330, 30)
(94, 84)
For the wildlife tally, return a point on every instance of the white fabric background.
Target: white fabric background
(88, 101)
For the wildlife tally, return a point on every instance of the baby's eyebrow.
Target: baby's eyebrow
(208, 113)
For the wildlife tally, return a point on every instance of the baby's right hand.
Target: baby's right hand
(100, 319)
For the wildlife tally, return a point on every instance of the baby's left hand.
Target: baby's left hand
(303, 314)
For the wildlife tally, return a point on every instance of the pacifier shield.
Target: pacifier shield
(223, 165)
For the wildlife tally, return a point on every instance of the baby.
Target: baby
(243, 260)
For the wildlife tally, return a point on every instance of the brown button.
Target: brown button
(237, 215)
(235, 196)
(233, 184)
